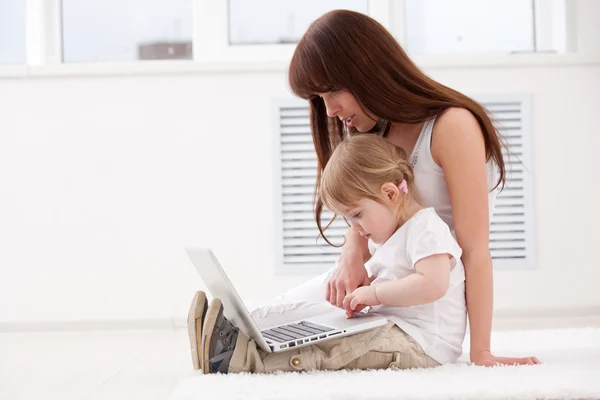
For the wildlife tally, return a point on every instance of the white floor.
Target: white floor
(142, 364)
(92, 365)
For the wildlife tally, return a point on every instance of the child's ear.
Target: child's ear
(390, 191)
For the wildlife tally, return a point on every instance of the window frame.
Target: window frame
(44, 45)
(44, 32)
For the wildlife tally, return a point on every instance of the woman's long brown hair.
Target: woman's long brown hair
(349, 50)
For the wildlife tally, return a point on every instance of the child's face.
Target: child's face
(372, 220)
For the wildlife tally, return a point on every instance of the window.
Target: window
(264, 30)
(469, 26)
(12, 32)
(276, 21)
(299, 249)
(126, 30)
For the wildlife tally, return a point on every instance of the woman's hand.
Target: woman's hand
(349, 275)
(487, 359)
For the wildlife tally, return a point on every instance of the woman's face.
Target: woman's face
(342, 104)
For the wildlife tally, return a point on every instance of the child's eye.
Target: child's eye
(357, 215)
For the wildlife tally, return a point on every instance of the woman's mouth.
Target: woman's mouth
(349, 121)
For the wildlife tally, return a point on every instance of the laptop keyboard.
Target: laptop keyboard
(302, 329)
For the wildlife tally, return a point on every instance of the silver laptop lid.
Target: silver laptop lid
(220, 287)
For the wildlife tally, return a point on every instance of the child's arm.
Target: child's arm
(428, 284)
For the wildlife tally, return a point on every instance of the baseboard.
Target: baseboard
(98, 325)
(575, 317)
(578, 317)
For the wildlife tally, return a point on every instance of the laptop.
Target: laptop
(283, 337)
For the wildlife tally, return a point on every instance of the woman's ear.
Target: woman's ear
(390, 192)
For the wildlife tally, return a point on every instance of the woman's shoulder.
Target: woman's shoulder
(455, 129)
(455, 119)
(456, 115)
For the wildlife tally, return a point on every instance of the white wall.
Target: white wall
(104, 179)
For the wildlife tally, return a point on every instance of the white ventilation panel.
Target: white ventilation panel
(511, 230)
(298, 246)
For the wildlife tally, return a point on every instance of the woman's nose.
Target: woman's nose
(332, 109)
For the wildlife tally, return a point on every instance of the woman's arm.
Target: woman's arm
(351, 272)
(458, 147)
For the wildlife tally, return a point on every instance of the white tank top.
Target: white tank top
(430, 180)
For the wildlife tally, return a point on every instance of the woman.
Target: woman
(358, 79)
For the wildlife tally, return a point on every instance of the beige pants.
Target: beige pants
(381, 348)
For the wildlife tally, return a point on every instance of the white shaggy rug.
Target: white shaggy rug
(570, 370)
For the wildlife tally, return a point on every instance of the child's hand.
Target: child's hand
(359, 299)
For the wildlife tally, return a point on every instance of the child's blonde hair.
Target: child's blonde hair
(358, 168)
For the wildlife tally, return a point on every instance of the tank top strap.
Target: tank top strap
(423, 142)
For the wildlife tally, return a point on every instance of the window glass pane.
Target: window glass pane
(279, 21)
(126, 30)
(468, 26)
(12, 32)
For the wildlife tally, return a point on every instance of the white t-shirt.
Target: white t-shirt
(439, 327)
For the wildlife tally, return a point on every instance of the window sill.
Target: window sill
(517, 60)
(10, 71)
(190, 67)
(138, 68)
